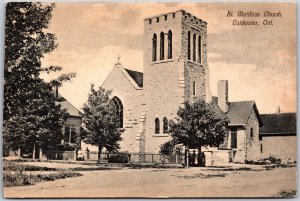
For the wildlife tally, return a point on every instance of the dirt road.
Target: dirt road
(192, 182)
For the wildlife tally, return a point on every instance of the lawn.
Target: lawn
(16, 174)
(126, 182)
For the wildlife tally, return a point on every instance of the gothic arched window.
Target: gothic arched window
(166, 125)
(199, 49)
(118, 106)
(194, 47)
(251, 132)
(154, 47)
(170, 44)
(189, 45)
(162, 46)
(194, 88)
(157, 127)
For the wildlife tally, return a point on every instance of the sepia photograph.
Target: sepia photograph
(150, 100)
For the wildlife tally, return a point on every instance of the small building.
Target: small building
(241, 142)
(278, 136)
(72, 126)
(71, 132)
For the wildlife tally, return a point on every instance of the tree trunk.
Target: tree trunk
(33, 152)
(199, 158)
(187, 156)
(99, 152)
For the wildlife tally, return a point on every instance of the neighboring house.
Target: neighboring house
(71, 130)
(175, 70)
(72, 126)
(278, 136)
(242, 138)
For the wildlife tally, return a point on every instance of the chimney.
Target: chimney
(223, 95)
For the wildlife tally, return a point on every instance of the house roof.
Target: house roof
(238, 112)
(72, 110)
(282, 123)
(136, 76)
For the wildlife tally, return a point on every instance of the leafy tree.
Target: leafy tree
(101, 126)
(197, 125)
(31, 114)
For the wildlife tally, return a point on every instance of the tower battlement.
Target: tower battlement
(181, 14)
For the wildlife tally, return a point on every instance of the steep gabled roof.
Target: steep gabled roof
(136, 76)
(282, 123)
(135, 79)
(72, 110)
(238, 112)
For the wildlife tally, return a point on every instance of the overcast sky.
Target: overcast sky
(258, 61)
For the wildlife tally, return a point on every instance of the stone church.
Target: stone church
(175, 70)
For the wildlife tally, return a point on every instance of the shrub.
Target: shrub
(119, 158)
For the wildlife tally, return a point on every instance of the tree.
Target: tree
(197, 125)
(31, 115)
(101, 126)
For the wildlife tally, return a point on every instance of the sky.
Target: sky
(259, 62)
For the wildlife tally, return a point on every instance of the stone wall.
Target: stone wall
(194, 71)
(253, 143)
(239, 155)
(132, 100)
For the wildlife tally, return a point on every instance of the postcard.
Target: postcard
(150, 100)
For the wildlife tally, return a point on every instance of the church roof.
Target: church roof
(282, 123)
(238, 112)
(136, 76)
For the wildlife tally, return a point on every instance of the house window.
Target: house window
(166, 125)
(194, 88)
(233, 138)
(150, 21)
(194, 47)
(118, 106)
(162, 46)
(199, 49)
(170, 44)
(261, 148)
(157, 128)
(189, 45)
(166, 17)
(251, 132)
(154, 47)
(70, 134)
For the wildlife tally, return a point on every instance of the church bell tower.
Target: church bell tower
(175, 69)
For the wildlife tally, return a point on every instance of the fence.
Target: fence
(116, 157)
(60, 155)
(157, 158)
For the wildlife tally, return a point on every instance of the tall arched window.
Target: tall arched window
(118, 110)
(157, 128)
(154, 47)
(162, 46)
(251, 132)
(194, 88)
(189, 45)
(166, 125)
(170, 44)
(199, 49)
(194, 47)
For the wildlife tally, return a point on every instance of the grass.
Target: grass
(19, 175)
